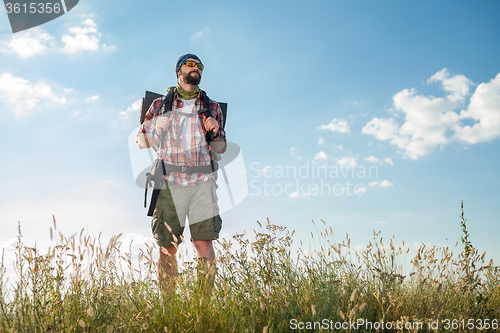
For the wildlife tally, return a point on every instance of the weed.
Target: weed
(260, 285)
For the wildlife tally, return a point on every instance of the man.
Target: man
(190, 188)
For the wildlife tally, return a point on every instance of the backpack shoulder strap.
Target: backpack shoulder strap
(167, 101)
(206, 110)
(206, 104)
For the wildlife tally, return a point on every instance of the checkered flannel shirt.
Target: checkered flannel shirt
(173, 152)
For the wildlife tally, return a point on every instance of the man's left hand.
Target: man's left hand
(211, 125)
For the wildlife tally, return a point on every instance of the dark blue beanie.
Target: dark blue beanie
(183, 58)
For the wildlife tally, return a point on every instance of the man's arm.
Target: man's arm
(219, 144)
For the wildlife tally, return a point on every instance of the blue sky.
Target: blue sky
(410, 89)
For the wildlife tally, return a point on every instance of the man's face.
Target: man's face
(190, 75)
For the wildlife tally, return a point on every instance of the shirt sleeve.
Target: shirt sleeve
(218, 116)
(149, 124)
(221, 133)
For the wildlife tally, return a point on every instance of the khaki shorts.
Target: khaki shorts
(175, 202)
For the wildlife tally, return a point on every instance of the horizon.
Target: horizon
(409, 89)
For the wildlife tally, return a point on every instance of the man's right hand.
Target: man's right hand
(162, 124)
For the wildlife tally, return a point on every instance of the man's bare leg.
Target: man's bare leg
(205, 249)
(167, 266)
(206, 271)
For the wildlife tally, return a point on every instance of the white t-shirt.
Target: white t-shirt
(187, 107)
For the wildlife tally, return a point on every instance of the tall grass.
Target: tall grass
(261, 285)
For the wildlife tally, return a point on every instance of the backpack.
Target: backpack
(158, 169)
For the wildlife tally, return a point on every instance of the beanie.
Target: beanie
(183, 58)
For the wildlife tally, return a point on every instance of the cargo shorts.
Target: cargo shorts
(198, 203)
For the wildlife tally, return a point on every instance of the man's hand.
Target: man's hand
(211, 125)
(143, 140)
(162, 124)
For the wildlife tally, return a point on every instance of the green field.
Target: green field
(261, 285)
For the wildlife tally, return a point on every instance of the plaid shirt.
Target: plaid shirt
(173, 152)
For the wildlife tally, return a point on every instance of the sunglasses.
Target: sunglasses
(191, 63)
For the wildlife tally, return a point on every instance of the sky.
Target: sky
(368, 115)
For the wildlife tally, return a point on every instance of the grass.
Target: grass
(79, 285)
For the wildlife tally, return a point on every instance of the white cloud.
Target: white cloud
(384, 183)
(347, 162)
(484, 107)
(92, 98)
(457, 86)
(10, 245)
(359, 190)
(321, 156)
(376, 160)
(433, 121)
(337, 125)
(321, 141)
(108, 47)
(388, 160)
(84, 38)
(200, 34)
(135, 108)
(267, 170)
(372, 159)
(31, 42)
(293, 152)
(22, 96)
(294, 195)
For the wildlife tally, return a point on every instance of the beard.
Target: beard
(191, 79)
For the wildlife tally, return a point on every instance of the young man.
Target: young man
(190, 188)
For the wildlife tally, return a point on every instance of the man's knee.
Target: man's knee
(204, 248)
(168, 252)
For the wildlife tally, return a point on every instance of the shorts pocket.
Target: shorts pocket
(157, 226)
(218, 222)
